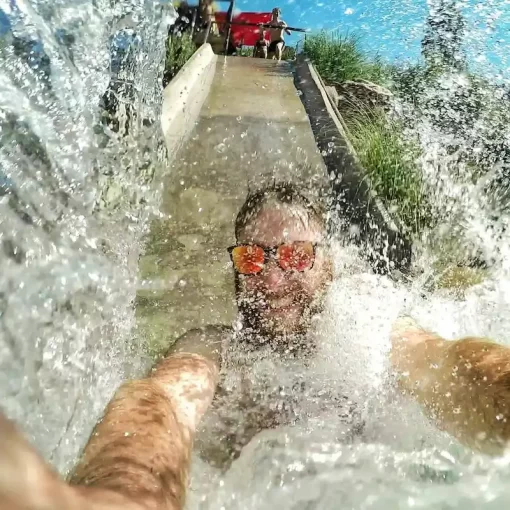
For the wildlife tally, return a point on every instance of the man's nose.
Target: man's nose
(272, 276)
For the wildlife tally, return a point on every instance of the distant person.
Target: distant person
(277, 27)
(261, 46)
(206, 9)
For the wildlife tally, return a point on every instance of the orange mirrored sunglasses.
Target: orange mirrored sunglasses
(251, 258)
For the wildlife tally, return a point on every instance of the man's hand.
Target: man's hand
(463, 385)
(405, 336)
(414, 353)
(209, 342)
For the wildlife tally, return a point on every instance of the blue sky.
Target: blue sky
(394, 28)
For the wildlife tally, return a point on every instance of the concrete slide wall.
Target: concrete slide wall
(184, 97)
(366, 218)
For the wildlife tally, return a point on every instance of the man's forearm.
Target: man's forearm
(138, 455)
(142, 446)
(138, 449)
(463, 385)
(27, 483)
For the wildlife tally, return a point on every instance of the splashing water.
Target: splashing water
(76, 189)
(402, 460)
(77, 186)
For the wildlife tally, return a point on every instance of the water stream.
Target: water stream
(402, 461)
(77, 189)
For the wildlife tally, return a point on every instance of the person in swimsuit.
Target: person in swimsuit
(206, 9)
(277, 27)
(138, 456)
(261, 46)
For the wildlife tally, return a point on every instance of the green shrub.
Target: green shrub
(390, 161)
(179, 50)
(245, 51)
(340, 58)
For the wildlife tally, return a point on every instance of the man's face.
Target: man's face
(277, 302)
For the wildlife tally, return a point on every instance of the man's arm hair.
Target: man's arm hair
(142, 446)
(463, 385)
(138, 455)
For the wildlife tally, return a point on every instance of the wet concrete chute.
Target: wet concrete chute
(233, 125)
(251, 130)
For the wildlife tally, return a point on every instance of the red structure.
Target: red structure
(239, 35)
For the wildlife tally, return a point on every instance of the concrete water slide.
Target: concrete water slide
(232, 124)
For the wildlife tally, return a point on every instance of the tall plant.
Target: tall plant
(339, 57)
(444, 32)
(180, 48)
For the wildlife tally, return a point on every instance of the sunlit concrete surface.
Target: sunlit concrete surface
(252, 130)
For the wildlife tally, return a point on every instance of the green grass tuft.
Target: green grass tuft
(245, 51)
(339, 58)
(390, 162)
(178, 51)
(386, 154)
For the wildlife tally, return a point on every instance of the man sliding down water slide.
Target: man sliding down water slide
(138, 455)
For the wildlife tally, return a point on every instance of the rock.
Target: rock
(362, 95)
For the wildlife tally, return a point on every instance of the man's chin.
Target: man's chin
(276, 323)
(294, 319)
